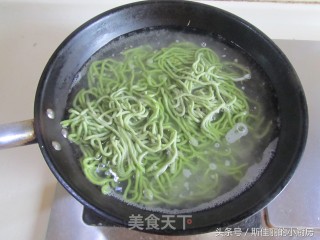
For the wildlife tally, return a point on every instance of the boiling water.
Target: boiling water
(255, 154)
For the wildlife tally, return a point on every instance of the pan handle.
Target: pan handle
(17, 134)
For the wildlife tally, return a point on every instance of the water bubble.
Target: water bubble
(194, 142)
(243, 87)
(241, 128)
(212, 166)
(101, 165)
(56, 145)
(187, 173)
(64, 132)
(77, 77)
(238, 131)
(224, 55)
(148, 194)
(131, 66)
(236, 60)
(217, 145)
(168, 152)
(203, 44)
(50, 113)
(177, 41)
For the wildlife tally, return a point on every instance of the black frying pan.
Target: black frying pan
(57, 80)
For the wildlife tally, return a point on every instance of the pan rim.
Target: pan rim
(42, 143)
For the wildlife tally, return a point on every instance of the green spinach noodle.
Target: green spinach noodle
(154, 118)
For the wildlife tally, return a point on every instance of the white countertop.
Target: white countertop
(30, 31)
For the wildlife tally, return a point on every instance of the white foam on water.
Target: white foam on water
(252, 175)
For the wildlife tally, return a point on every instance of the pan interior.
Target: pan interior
(53, 94)
(255, 153)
